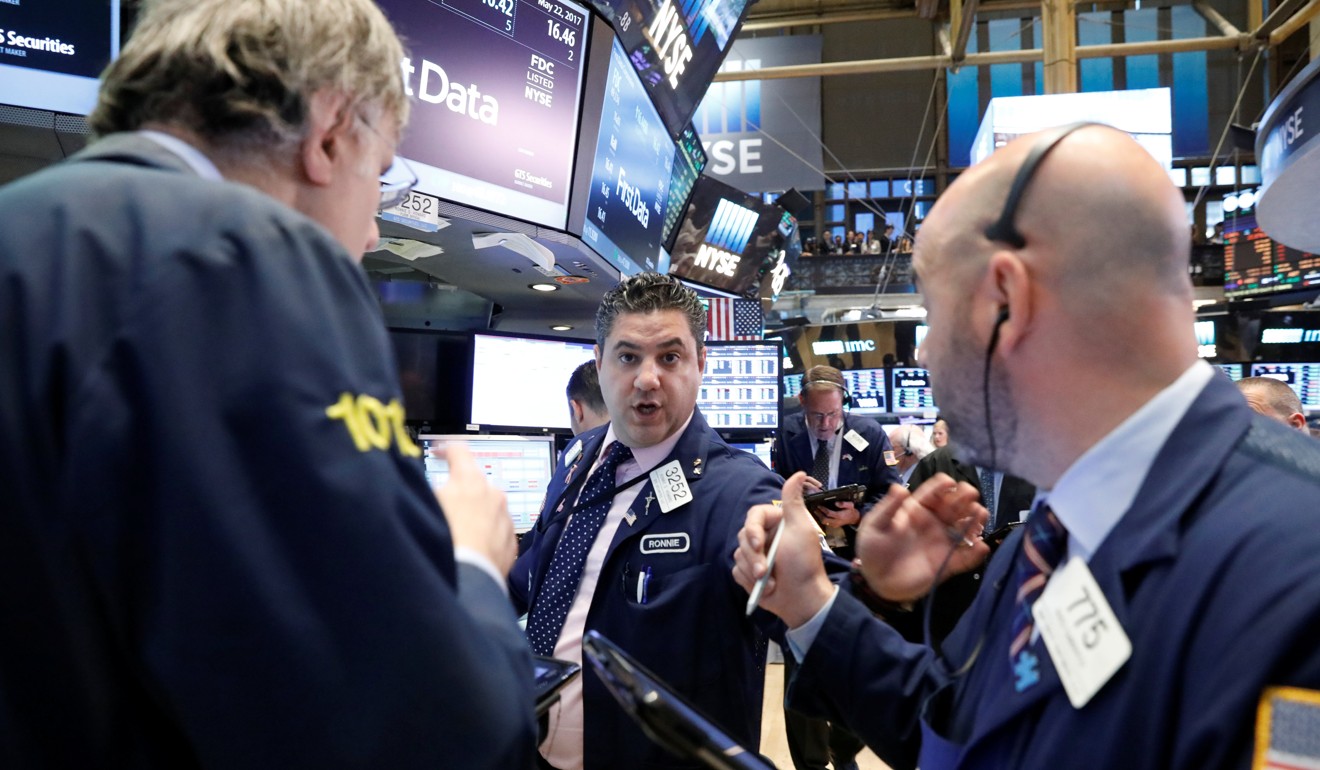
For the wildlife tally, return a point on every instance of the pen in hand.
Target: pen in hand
(759, 587)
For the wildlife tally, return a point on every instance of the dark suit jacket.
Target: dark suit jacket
(795, 450)
(691, 630)
(220, 548)
(1213, 575)
(1015, 494)
(953, 596)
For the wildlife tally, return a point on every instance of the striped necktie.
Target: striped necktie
(1043, 545)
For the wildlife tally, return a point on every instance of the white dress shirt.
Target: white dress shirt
(563, 744)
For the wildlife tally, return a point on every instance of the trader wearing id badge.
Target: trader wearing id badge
(1158, 608)
(637, 536)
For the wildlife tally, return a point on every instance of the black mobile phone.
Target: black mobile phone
(997, 537)
(852, 493)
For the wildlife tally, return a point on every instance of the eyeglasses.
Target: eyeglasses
(396, 183)
(823, 416)
(1005, 229)
(398, 180)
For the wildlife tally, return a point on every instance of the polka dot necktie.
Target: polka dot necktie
(546, 619)
(1043, 545)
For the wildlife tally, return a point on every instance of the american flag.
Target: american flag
(734, 319)
(1289, 739)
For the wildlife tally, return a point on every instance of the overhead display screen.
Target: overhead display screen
(496, 89)
(867, 389)
(912, 393)
(1255, 264)
(730, 240)
(1302, 378)
(689, 162)
(51, 53)
(676, 47)
(740, 387)
(630, 175)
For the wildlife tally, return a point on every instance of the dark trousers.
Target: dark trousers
(813, 743)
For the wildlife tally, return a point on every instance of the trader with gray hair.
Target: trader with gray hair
(910, 446)
(219, 548)
(1276, 400)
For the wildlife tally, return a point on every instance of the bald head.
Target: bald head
(1274, 399)
(1084, 291)
(1100, 218)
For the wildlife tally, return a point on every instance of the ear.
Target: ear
(1297, 421)
(328, 125)
(701, 359)
(596, 350)
(576, 408)
(1007, 292)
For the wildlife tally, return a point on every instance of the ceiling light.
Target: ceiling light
(561, 328)
(543, 287)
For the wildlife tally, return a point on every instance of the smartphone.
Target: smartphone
(852, 493)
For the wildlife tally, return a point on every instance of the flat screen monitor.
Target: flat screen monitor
(437, 400)
(1302, 378)
(867, 389)
(634, 158)
(53, 51)
(1257, 265)
(792, 385)
(496, 88)
(1231, 371)
(911, 391)
(729, 240)
(740, 389)
(759, 448)
(689, 161)
(520, 466)
(676, 47)
(518, 382)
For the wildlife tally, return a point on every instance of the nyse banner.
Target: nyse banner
(744, 123)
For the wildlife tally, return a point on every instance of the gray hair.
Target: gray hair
(240, 73)
(911, 438)
(650, 293)
(1281, 399)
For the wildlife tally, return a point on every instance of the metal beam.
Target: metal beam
(911, 63)
(767, 23)
(1295, 22)
(1208, 13)
(964, 30)
(1059, 25)
(1281, 13)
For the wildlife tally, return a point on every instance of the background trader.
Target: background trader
(216, 532)
(836, 448)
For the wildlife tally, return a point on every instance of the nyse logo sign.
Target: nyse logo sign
(726, 238)
(764, 134)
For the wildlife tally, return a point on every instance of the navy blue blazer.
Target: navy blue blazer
(219, 546)
(795, 449)
(1214, 574)
(691, 631)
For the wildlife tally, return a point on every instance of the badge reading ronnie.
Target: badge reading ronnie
(669, 542)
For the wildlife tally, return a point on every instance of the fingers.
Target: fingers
(462, 467)
(881, 515)
(753, 539)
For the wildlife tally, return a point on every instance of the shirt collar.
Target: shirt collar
(648, 457)
(198, 162)
(1096, 490)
